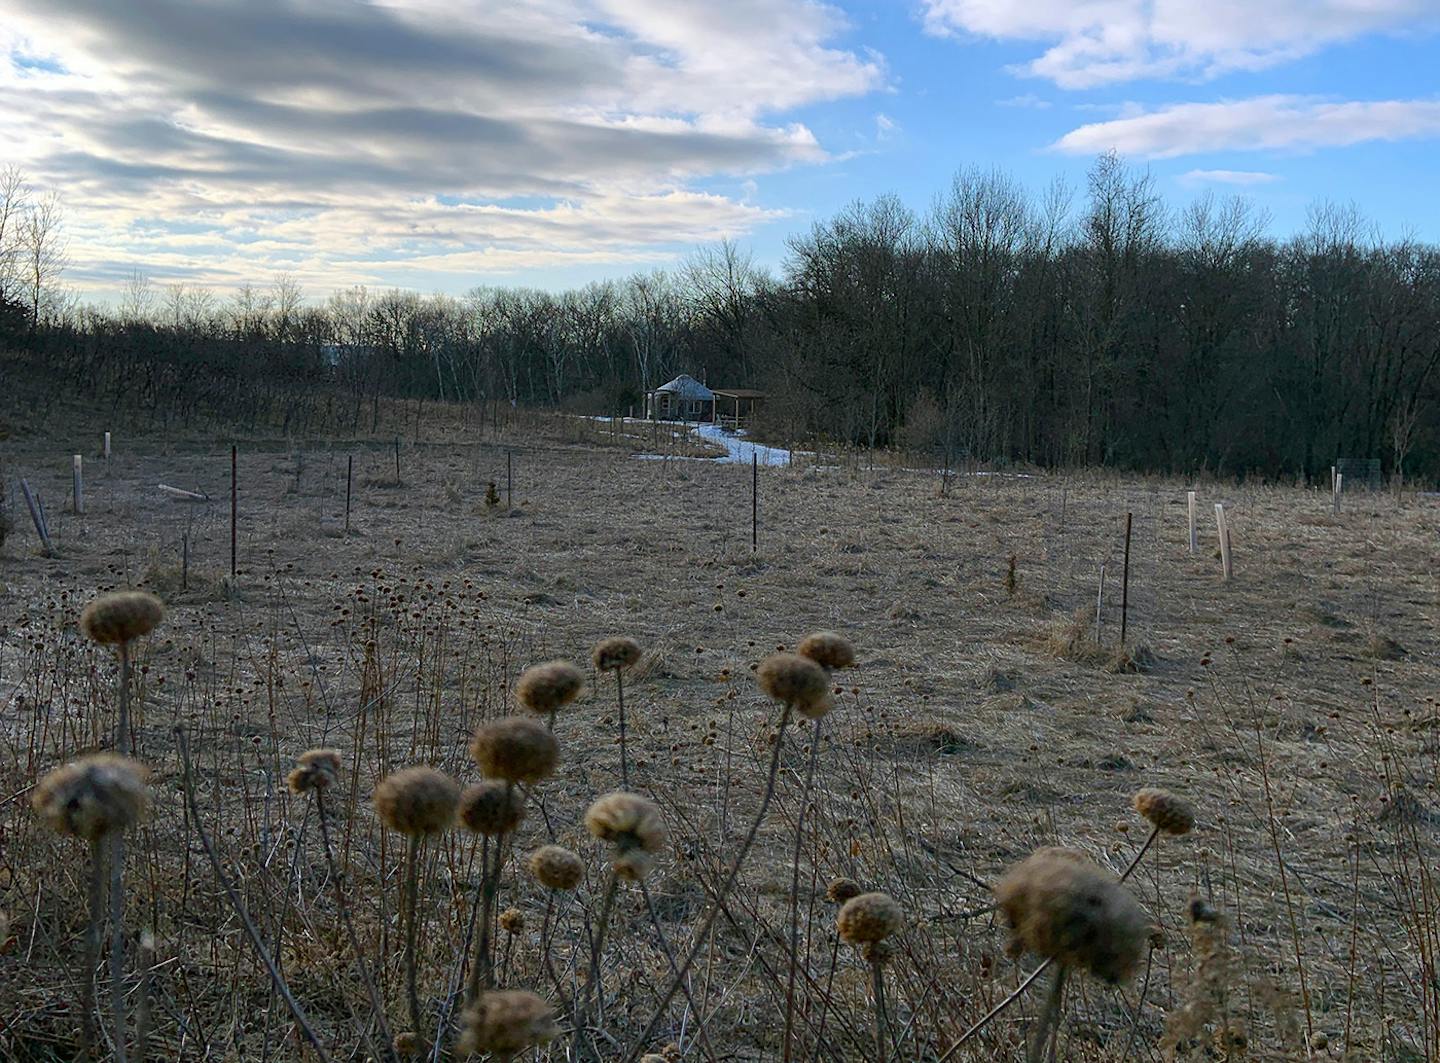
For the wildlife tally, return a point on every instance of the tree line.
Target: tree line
(1091, 326)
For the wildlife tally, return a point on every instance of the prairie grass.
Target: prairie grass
(973, 730)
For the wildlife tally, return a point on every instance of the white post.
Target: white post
(1190, 504)
(1339, 486)
(1332, 479)
(78, 476)
(107, 447)
(1224, 528)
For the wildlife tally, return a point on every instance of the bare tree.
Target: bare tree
(285, 299)
(137, 299)
(14, 204)
(42, 252)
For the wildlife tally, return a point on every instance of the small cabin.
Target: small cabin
(683, 399)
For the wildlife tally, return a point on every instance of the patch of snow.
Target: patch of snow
(738, 450)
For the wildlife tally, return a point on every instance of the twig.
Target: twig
(281, 986)
(714, 913)
(342, 906)
(795, 891)
(117, 943)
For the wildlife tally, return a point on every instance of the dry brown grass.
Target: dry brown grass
(973, 731)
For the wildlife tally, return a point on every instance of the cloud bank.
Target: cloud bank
(346, 142)
(1100, 42)
(1291, 123)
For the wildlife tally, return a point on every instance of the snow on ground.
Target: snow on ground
(738, 450)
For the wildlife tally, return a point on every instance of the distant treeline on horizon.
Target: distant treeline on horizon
(1099, 327)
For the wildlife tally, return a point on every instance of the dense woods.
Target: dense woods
(1077, 326)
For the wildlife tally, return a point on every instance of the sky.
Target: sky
(443, 144)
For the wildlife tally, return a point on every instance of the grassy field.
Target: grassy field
(987, 716)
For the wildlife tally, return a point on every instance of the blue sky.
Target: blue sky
(443, 144)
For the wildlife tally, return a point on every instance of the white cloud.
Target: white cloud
(343, 139)
(1096, 42)
(1293, 123)
(1027, 101)
(1243, 178)
(885, 127)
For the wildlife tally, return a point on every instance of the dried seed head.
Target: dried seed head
(628, 821)
(653, 1057)
(614, 653)
(407, 1044)
(491, 807)
(417, 800)
(548, 687)
(315, 769)
(798, 682)
(828, 650)
(119, 617)
(868, 917)
(512, 920)
(1165, 810)
(506, 1022)
(1064, 907)
(93, 796)
(633, 826)
(841, 890)
(515, 749)
(556, 867)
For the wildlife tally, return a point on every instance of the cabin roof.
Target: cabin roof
(687, 387)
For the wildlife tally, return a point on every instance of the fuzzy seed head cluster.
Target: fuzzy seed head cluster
(633, 826)
(827, 649)
(555, 867)
(1171, 814)
(407, 1044)
(615, 653)
(841, 890)
(512, 920)
(516, 750)
(93, 797)
(869, 917)
(1063, 906)
(417, 801)
(491, 807)
(796, 681)
(315, 769)
(119, 617)
(506, 1022)
(548, 687)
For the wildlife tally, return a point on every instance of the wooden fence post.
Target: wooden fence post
(107, 448)
(1223, 526)
(1194, 538)
(509, 480)
(1337, 487)
(349, 477)
(77, 478)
